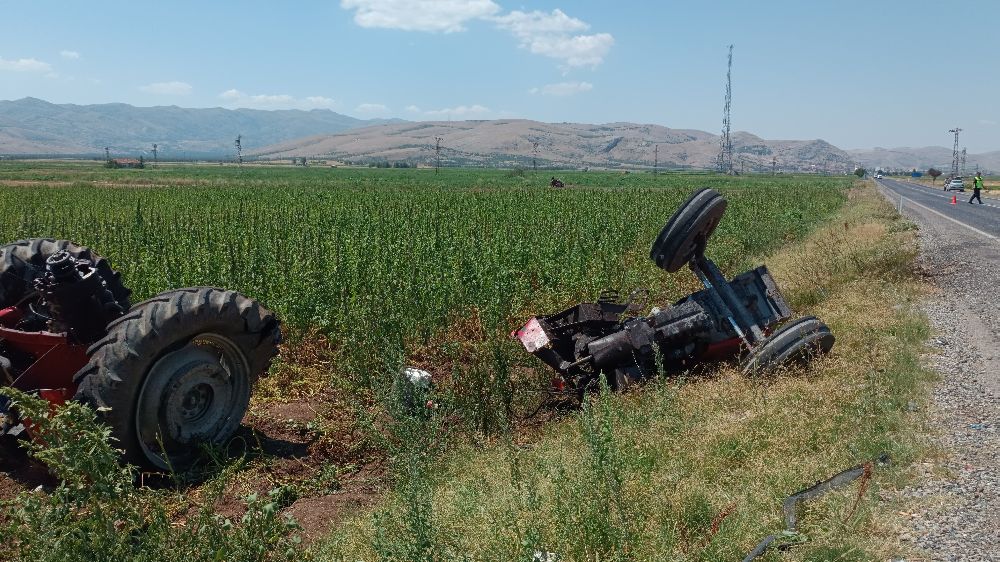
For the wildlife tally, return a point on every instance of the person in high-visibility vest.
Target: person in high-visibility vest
(977, 184)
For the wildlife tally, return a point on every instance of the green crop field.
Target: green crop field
(372, 257)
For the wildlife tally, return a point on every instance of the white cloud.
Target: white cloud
(25, 65)
(524, 24)
(372, 108)
(550, 35)
(460, 112)
(71, 55)
(236, 98)
(563, 89)
(319, 102)
(173, 88)
(446, 16)
(413, 109)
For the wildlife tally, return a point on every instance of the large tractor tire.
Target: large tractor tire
(794, 343)
(23, 261)
(176, 372)
(690, 227)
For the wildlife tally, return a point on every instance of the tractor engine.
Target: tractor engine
(75, 298)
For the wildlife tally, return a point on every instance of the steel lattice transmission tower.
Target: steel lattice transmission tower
(963, 161)
(726, 142)
(239, 150)
(437, 153)
(155, 161)
(954, 152)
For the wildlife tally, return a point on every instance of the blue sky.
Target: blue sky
(857, 74)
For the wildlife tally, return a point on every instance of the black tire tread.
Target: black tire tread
(670, 250)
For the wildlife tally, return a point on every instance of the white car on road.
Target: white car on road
(955, 184)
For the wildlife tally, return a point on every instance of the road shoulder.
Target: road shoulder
(953, 504)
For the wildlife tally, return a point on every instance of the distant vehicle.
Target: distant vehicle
(955, 184)
(878, 176)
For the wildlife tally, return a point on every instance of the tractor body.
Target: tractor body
(44, 340)
(727, 319)
(169, 375)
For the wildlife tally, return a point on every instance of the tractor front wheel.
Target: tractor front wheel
(794, 343)
(691, 226)
(176, 372)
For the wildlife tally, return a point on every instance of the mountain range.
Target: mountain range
(521, 142)
(33, 127)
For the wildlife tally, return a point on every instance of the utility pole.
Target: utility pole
(534, 156)
(774, 165)
(239, 150)
(656, 158)
(437, 153)
(107, 153)
(726, 142)
(154, 155)
(954, 152)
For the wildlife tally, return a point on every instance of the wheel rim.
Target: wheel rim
(195, 394)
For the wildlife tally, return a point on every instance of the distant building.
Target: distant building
(127, 163)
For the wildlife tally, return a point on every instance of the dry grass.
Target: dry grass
(696, 469)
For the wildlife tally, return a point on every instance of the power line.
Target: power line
(726, 142)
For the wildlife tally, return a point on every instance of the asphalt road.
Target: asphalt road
(984, 218)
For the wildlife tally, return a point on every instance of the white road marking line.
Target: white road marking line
(958, 222)
(928, 192)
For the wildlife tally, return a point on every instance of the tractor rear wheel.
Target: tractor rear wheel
(176, 372)
(691, 226)
(796, 342)
(23, 261)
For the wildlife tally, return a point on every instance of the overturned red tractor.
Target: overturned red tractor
(727, 320)
(167, 375)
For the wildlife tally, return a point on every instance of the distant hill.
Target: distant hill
(31, 126)
(906, 158)
(511, 143)
(34, 126)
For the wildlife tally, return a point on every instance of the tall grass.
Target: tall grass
(96, 513)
